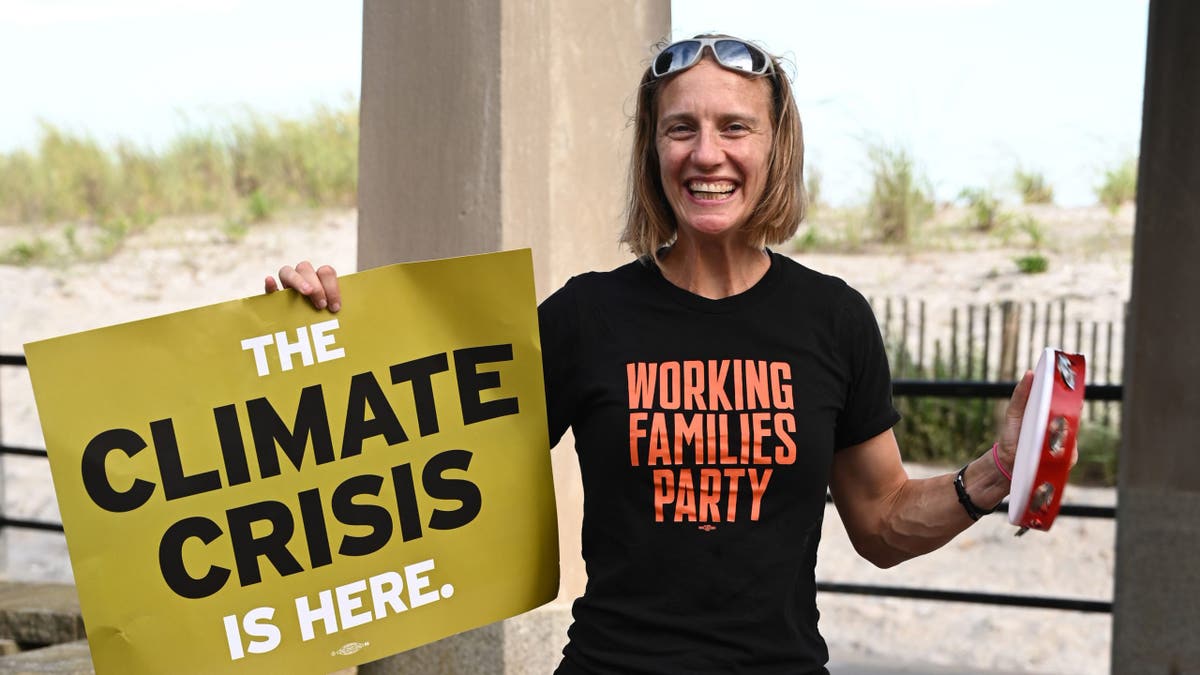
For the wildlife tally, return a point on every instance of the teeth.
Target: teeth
(722, 186)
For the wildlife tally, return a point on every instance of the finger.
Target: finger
(290, 278)
(329, 281)
(1015, 412)
(304, 279)
(1016, 404)
(316, 294)
(270, 286)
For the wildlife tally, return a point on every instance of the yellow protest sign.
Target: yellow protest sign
(257, 486)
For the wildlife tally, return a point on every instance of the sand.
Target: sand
(185, 263)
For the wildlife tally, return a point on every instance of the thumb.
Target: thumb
(1015, 413)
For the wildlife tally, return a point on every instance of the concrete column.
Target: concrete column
(494, 125)
(1157, 595)
(491, 125)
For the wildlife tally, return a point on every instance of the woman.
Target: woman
(716, 389)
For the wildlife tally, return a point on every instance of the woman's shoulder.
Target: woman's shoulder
(590, 289)
(828, 286)
(598, 284)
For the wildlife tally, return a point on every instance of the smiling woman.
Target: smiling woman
(742, 384)
(713, 157)
(760, 117)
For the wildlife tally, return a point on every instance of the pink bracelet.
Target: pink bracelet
(996, 459)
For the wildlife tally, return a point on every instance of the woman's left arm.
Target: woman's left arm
(891, 517)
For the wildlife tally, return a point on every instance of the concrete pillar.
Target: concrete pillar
(494, 125)
(490, 125)
(1157, 595)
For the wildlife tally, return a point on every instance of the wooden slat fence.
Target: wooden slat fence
(994, 341)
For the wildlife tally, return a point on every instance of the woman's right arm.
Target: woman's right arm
(319, 285)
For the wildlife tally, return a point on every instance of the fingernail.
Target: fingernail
(305, 288)
(335, 306)
(320, 304)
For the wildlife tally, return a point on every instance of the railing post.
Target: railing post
(1010, 336)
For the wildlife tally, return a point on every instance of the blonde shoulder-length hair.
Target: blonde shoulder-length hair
(650, 223)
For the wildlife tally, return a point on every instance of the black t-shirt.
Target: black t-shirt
(705, 431)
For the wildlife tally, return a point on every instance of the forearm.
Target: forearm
(924, 513)
(891, 517)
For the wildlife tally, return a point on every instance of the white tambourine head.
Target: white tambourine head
(1033, 435)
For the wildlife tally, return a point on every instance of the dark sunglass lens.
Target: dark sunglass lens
(734, 54)
(678, 55)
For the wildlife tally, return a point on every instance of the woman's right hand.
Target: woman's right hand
(319, 285)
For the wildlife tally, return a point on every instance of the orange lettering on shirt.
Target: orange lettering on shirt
(693, 385)
(758, 385)
(757, 488)
(744, 421)
(710, 495)
(636, 433)
(723, 429)
(785, 426)
(689, 432)
(734, 476)
(669, 385)
(739, 402)
(640, 378)
(781, 385)
(664, 491)
(710, 454)
(762, 430)
(717, 370)
(660, 442)
(685, 506)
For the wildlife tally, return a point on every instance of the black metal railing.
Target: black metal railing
(971, 390)
(1034, 601)
(916, 388)
(18, 360)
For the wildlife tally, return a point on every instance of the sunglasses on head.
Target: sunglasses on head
(730, 53)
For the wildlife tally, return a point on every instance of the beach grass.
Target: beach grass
(1118, 184)
(245, 169)
(1033, 187)
(901, 197)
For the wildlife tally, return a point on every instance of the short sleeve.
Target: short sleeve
(558, 324)
(868, 409)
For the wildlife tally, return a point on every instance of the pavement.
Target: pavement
(852, 666)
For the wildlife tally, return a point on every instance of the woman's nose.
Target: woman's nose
(708, 150)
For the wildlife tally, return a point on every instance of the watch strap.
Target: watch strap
(973, 510)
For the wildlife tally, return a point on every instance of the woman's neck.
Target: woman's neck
(713, 269)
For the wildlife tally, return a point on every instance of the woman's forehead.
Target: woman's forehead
(708, 88)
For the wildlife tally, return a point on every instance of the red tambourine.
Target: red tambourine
(1049, 432)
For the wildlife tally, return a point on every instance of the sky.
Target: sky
(144, 70)
(973, 89)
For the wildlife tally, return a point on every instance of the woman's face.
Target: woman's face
(713, 139)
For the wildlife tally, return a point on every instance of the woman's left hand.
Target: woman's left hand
(1011, 432)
